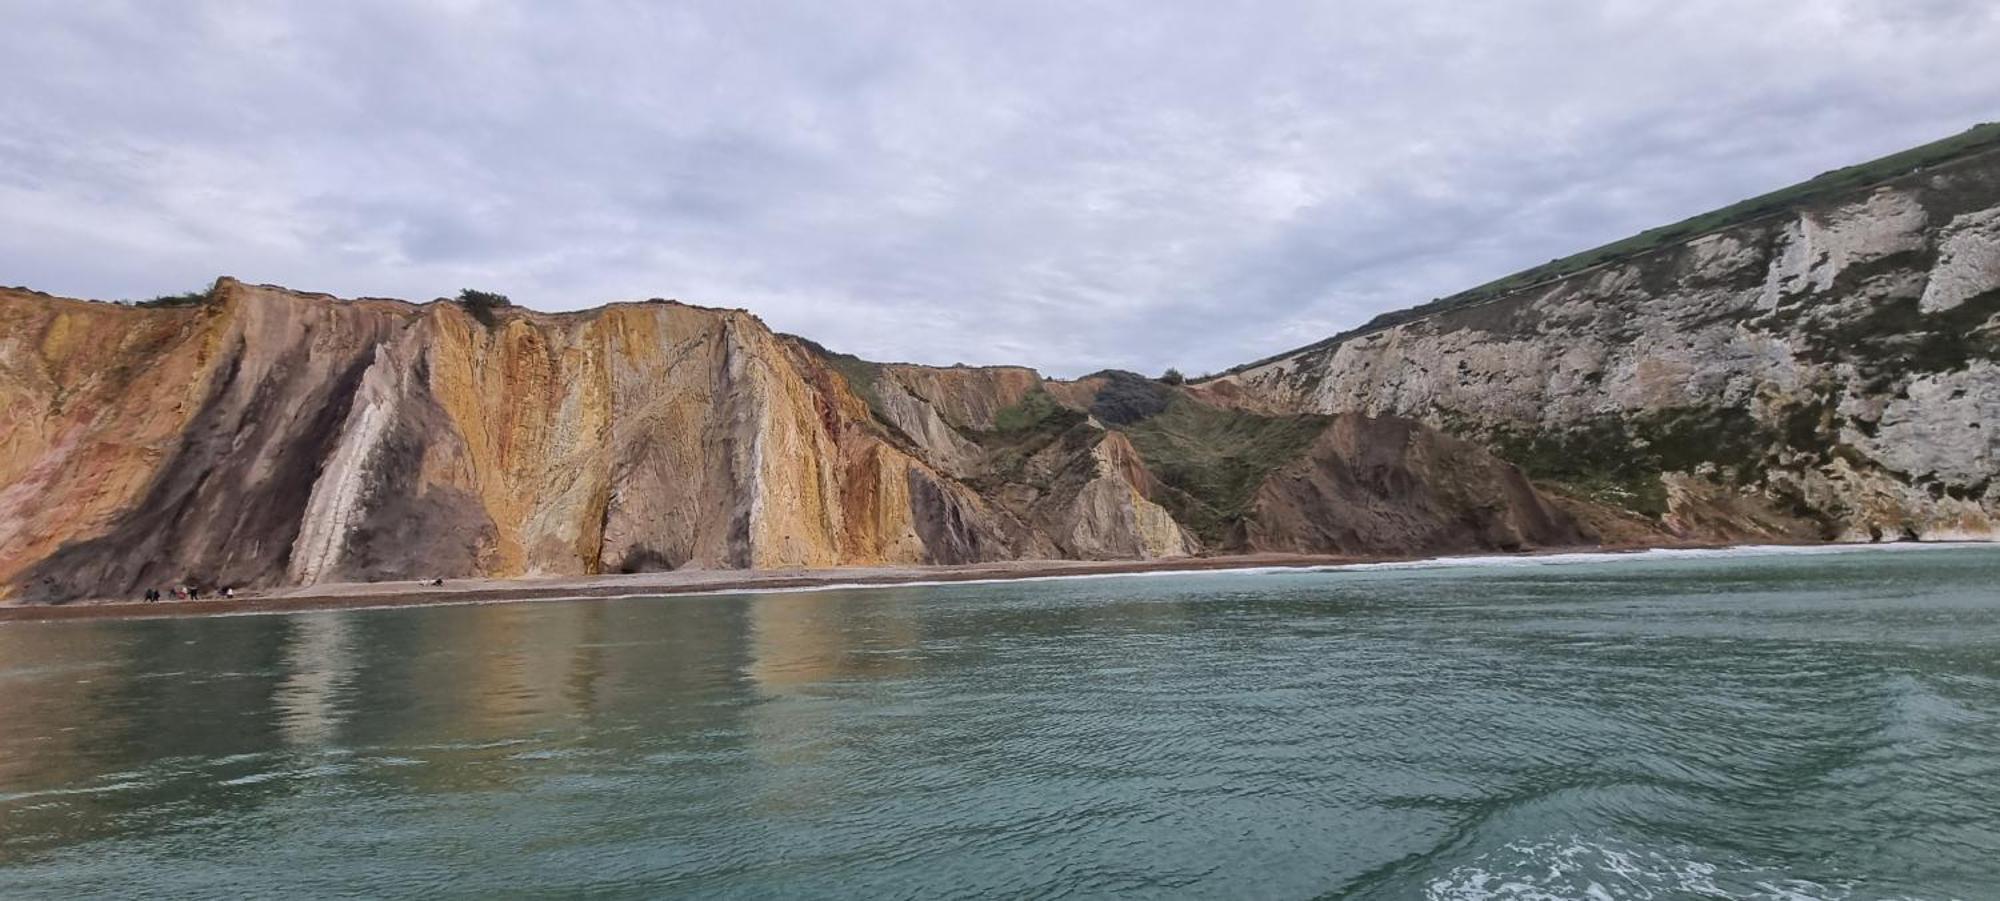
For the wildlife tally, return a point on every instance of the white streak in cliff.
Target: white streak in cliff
(334, 506)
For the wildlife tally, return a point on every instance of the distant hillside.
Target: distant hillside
(1820, 361)
(1975, 141)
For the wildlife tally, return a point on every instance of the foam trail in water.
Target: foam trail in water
(1577, 867)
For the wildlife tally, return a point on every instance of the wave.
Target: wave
(1576, 867)
(1648, 554)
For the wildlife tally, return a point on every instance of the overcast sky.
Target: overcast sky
(1070, 185)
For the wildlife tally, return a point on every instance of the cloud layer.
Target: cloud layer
(1071, 185)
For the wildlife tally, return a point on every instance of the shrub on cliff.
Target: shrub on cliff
(1173, 377)
(1127, 397)
(189, 299)
(481, 304)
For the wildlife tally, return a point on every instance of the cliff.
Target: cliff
(258, 437)
(1818, 365)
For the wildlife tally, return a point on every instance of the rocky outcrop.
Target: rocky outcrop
(268, 437)
(1380, 486)
(968, 397)
(1828, 371)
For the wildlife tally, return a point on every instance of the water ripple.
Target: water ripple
(1812, 727)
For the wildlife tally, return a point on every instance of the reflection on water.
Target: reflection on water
(319, 663)
(804, 639)
(1819, 726)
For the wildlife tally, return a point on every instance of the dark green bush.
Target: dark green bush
(1127, 397)
(481, 304)
(191, 298)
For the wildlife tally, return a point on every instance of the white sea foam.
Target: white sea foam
(1650, 554)
(1576, 867)
(13, 797)
(255, 778)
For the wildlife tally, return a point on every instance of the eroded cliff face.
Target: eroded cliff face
(1377, 486)
(267, 437)
(1831, 372)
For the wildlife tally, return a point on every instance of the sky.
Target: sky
(1069, 185)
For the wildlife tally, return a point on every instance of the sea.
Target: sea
(1785, 723)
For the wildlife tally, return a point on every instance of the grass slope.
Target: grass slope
(1215, 458)
(1022, 431)
(1211, 460)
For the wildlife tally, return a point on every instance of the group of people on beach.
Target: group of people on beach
(192, 592)
(185, 593)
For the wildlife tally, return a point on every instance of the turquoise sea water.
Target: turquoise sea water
(1797, 725)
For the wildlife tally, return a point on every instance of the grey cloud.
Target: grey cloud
(1068, 185)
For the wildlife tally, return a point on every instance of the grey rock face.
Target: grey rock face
(1838, 362)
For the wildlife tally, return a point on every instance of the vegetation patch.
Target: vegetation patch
(189, 299)
(863, 378)
(1896, 339)
(1215, 458)
(1031, 413)
(483, 304)
(1618, 460)
(1021, 431)
(1128, 397)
